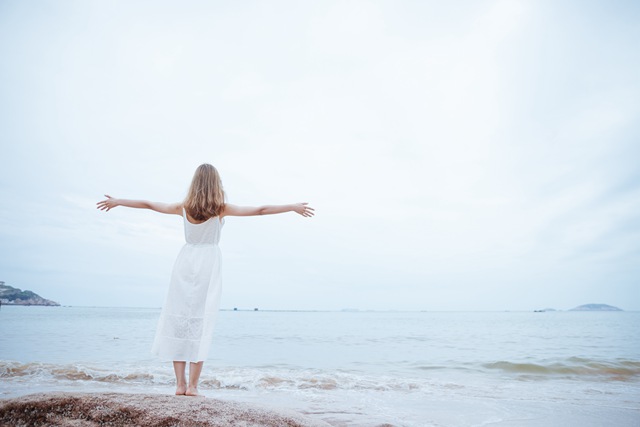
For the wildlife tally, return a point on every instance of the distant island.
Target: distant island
(14, 296)
(596, 307)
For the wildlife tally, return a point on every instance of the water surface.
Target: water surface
(353, 368)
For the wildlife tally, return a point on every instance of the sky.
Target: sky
(467, 155)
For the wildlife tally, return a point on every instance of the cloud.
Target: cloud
(459, 158)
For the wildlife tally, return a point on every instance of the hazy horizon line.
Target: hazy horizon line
(343, 310)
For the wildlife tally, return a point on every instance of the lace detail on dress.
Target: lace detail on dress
(180, 327)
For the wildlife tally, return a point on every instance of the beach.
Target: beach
(346, 369)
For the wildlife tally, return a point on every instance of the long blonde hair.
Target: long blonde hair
(205, 198)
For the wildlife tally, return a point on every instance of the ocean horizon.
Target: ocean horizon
(336, 310)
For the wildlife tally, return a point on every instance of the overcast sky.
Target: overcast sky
(479, 155)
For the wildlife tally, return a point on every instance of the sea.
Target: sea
(352, 368)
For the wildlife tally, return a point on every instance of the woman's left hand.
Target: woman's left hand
(107, 204)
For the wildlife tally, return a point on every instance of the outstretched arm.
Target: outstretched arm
(166, 208)
(299, 208)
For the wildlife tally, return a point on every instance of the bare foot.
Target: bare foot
(181, 390)
(192, 391)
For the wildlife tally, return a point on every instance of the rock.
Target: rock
(14, 296)
(121, 409)
(596, 307)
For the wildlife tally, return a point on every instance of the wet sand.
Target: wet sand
(121, 409)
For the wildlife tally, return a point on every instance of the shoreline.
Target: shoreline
(127, 409)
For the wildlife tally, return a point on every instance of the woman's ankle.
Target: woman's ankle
(181, 389)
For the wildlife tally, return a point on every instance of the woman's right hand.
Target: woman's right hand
(303, 209)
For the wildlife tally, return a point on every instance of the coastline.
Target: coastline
(124, 409)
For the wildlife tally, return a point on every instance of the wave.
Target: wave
(274, 378)
(226, 378)
(572, 367)
(68, 372)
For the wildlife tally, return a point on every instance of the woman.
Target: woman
(185, 328)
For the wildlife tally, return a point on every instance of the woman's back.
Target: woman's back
(203, 233)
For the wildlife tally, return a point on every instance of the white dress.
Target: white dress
(185, 328)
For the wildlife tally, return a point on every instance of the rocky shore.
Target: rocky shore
(121, 409)
(596, 307)
(14, 296)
